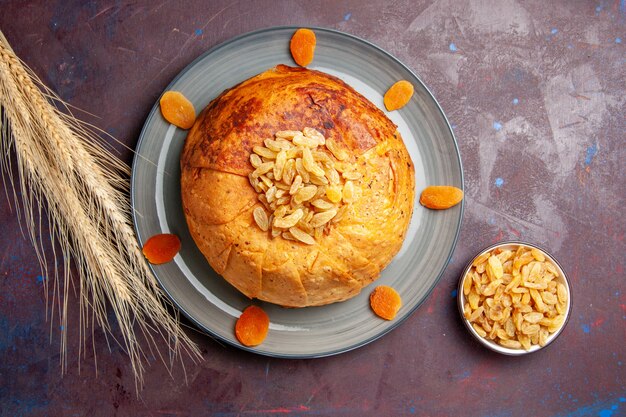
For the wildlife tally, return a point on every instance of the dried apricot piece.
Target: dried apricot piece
(398, 95)
(252, 326)
(440, 197)
(385, 301)
(302, 46)
(161, 248)
(177, 110)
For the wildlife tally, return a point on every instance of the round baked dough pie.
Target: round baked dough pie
(296, 188)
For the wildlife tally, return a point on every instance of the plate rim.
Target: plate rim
(258, 349)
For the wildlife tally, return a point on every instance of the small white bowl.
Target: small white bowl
(513, 245)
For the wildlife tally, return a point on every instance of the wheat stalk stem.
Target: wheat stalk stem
(62, 166)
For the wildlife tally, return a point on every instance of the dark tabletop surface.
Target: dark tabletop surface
(535, 93)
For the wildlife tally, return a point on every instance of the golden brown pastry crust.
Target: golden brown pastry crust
(218, 200)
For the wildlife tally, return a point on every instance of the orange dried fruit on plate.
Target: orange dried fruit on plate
(302, 46)
(440, 197)
(398, 95)
(385, 301)
(177, 110)
(162, 248)
(252, 326)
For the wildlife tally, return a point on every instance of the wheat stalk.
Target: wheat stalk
(64, 170)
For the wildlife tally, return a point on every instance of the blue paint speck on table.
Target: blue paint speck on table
(516, 101)
(40, 279)
(592, 151)
(466, 374)
(497, 125)
(198, 32)
(453, 47)
(454, 293)
(586, 328)
(618, 40)
(499, 182)
(610, 408)
(554, 31)
(347, 16)
(606, 413)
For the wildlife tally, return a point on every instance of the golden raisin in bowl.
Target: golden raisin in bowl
(514, 298)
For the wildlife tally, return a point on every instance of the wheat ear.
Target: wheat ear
(64, 169)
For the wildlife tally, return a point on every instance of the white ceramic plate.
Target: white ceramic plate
(206, 298)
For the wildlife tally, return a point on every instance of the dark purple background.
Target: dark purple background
(535, 92)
